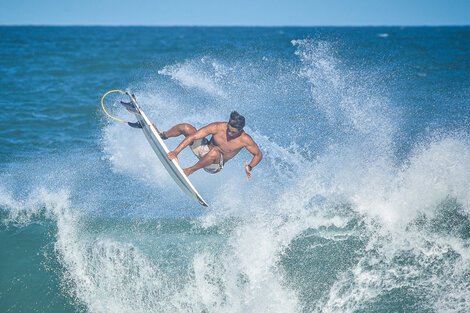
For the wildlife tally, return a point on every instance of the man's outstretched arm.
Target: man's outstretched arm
(257, 157)
(203, 132)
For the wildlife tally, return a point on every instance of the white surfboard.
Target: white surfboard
(161, 150)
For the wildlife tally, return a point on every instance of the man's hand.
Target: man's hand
(248, 172)
(173, 155)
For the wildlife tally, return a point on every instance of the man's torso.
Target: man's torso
(229, 147)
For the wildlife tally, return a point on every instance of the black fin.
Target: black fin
(134, 125)
(130, 107)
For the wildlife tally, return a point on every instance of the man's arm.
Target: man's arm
(203, 132)
(257, 156)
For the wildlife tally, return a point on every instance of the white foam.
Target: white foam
(189, 74)
(348, 99)
(434, 172)
(129, 152)
(40, 202)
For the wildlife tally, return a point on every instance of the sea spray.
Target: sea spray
(360, 204)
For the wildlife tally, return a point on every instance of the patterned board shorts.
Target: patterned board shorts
(200, 148)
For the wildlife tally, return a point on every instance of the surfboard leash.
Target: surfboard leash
(102, 104)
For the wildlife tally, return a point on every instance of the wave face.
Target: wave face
(359, 205)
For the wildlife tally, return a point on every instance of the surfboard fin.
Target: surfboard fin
(130, 107)
(134, 125)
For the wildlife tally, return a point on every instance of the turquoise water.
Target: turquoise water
(359, 205)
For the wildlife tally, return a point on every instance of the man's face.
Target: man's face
(233, 132)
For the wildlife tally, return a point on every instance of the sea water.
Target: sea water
(360, 204)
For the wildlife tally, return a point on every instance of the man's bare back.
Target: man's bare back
(227, 141)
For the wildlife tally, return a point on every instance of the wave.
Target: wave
(347, 227)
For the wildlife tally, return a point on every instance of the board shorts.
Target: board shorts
(200, 148)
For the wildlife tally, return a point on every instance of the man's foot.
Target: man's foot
(187, 171)
(162, 135)
(160, 132)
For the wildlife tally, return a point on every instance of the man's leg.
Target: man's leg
(180, 129)
(213, 156)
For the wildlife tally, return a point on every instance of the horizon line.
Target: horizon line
(233, 25)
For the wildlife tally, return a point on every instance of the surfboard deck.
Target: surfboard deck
(161, 150)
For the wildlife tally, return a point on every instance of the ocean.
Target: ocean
(360, 204)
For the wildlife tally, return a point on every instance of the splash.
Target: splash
(343, 228)
(352, 198)
(204, 75)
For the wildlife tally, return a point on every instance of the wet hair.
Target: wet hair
(236, 120)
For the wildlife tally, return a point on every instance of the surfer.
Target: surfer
(228, 138)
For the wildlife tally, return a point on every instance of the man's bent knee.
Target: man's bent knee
(214, 153)
(187, 129)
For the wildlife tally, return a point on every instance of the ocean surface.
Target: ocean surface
(361, 203)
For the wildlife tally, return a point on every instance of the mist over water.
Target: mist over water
(359, 205)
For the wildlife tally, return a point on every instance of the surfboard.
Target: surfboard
(161, 150)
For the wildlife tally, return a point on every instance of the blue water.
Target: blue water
(361, 203)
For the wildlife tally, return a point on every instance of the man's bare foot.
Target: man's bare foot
(187, 171)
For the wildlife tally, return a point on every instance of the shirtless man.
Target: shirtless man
(226, 141)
